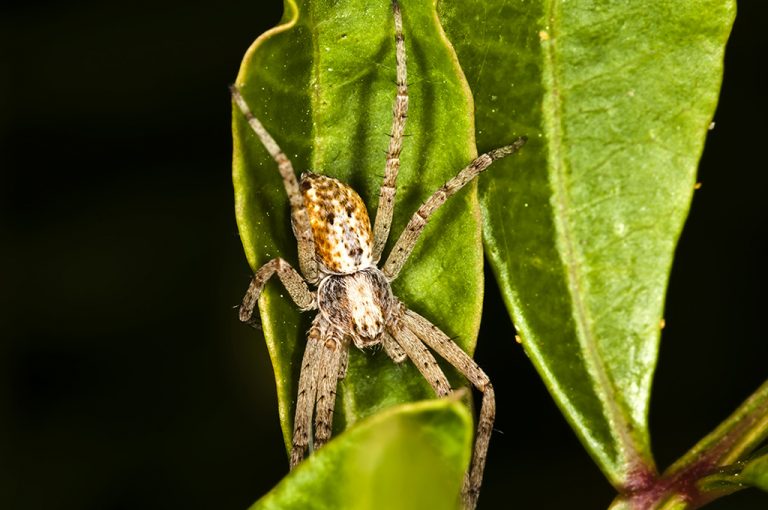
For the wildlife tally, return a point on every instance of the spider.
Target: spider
(338, 254)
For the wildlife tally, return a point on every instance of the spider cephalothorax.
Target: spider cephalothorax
(338, 253)
(359, 305)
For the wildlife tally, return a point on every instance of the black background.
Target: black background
(126, 380)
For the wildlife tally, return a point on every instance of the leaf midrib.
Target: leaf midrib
(553, 115)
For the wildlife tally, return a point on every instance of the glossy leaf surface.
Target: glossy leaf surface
(363, 468)
(616, 98)
(323, 84)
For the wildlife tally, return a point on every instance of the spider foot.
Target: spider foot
(255, 324)
(251, 318)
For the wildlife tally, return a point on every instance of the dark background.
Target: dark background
(126, 380)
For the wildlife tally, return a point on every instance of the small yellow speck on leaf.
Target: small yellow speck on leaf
(543, 35)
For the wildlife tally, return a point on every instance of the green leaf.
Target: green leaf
(409, 457)
(616, 98)
(322, 82)
(755, 473)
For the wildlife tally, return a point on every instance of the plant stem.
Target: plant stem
(731, 441)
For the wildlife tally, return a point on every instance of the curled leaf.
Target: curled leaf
(322, 83)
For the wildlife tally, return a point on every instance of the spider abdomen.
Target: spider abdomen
(340, 224)
(358, 305)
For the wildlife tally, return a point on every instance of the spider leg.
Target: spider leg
(399, 113)
(392, 348)
(332, 351)
(344, 363)
(292, 281)
(452, 353)
(404, 245)
(305, 400)
(299, 217)
(421, 357)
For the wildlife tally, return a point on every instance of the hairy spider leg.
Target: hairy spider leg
(292, 281)
(332, 348)
(392, 348)
(306, 396)
(421, 357)
(388, 189)
(323, 364)
(404, 245)
(455, 355)
(299, 217)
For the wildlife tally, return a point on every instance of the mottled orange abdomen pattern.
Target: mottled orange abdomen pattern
(340, 224)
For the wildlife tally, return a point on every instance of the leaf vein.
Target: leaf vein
(553, 114)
